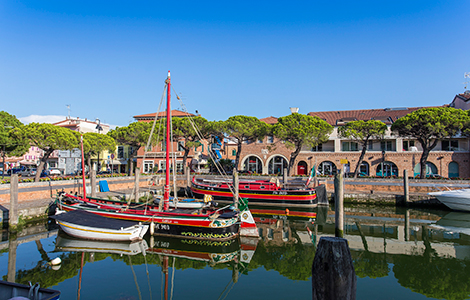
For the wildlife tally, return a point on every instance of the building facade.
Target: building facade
(385, 157)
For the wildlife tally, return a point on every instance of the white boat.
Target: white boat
(86, 225)
(454, 199)
(68, 244)
(454, 222)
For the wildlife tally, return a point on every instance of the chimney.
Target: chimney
(294, 110)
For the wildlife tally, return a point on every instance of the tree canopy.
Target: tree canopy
(10, 144)
(362, 131)
(48, 138)
(94, 143)
(297, 130)
(135, 134)
(428, 126)
(243, 128)
(188, 132)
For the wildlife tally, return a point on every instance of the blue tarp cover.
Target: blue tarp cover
(104, 186)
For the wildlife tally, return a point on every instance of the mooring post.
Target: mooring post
(136, 184)
(407, 225)
(13, 213)
(339, 209)
(12, 246)
(406, 187)
(333, 275)
(188, 177)
(235, 188)
(284, 176)
(93, 183)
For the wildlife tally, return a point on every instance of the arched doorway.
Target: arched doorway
(430, 169)
(327, 168)
(277, 165)
(253, 164)
(389, 169)
(302, 168)
(453, 169)
(363, 169)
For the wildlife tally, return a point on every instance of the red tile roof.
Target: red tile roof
(387, 115)
(269, 120)
(162, 114)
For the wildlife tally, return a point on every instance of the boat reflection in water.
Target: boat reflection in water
(66, 243)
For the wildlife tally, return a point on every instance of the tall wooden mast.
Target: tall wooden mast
(166, 195)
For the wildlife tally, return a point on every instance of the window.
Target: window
(120, 152)
(180, 146)
(318, 148)
(407, 145)
(450, 145)
(234, 152)
(270, 139)
(370, 145)
(259, 141)
(350, 146)
(386, 145)
(199, 147)
(130, 151)
(148, 166)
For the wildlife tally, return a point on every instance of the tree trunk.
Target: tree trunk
(424, 157)
(88, 162)
(359, 162)
(293, 156)
(422, 162)
(237, 157)
(44, 159)
(131, 159)
(185, 158)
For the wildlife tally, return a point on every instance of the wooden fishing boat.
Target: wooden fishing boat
(11, 290)
(202, 223)
(262, 192)
(86, 225)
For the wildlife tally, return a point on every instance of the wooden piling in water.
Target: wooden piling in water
(188, 177)
(333, 275)
(93, 183)
(136, 184)
(13, 211)
(339, 209)
(12, 247)
(406, 186)
(235, 187)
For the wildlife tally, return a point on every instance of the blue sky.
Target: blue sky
(109, 59)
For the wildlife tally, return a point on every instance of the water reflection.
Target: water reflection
(425, 252)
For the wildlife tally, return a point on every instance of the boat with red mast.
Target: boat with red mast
(204, 223)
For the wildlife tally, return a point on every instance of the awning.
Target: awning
(28, 163)
(115, 162)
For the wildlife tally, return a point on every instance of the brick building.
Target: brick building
(155, 157)
(385, 157)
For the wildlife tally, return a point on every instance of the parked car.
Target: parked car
(16, 170)
(104, 172)
(54, 172)
(28, 172)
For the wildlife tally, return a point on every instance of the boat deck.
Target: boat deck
(84, 218)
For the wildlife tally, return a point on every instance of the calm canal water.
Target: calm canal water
(397, 254)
